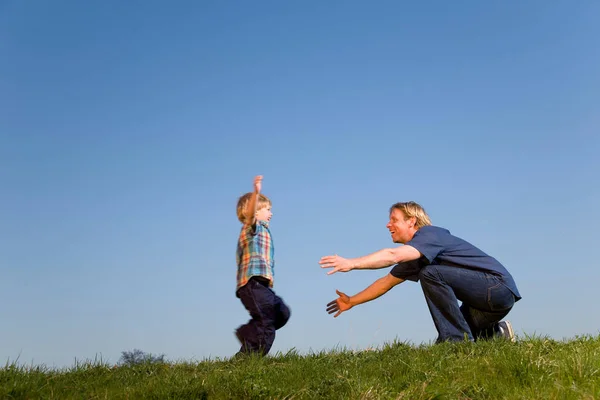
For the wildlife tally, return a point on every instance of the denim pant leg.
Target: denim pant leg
(483, 316)
(259, 333)
(282, 313)
(485, 300)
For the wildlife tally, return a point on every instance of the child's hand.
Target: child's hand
(258, 183)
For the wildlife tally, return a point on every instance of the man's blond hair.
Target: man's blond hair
(242, 205)
(412, 209)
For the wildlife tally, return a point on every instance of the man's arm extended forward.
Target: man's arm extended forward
(378, 288)
(380, 259)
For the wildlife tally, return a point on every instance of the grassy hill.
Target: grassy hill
(532, 368)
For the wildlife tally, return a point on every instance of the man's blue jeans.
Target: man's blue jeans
(485, 301)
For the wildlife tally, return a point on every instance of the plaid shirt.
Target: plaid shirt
(255, 254)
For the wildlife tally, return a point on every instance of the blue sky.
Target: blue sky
(129, 129)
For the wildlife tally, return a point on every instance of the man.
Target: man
(449, 269)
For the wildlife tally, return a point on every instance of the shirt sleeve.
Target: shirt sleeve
(428, 242)
(408, 270)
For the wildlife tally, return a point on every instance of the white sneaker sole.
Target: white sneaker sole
(511, 332)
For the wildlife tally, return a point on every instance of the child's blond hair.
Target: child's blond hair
(242, 205)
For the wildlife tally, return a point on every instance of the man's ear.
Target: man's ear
(413, 222)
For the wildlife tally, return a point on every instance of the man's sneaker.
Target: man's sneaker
(506, 330)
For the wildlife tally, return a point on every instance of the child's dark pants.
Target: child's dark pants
(268, 312)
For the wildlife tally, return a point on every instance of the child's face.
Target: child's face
(264, 214)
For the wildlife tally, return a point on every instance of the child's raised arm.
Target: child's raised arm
(253, 203)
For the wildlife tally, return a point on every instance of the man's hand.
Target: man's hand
(258, 183)
(339, 305)
(339, 264)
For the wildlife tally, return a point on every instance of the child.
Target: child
(255, 274)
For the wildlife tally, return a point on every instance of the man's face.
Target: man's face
(401, 228)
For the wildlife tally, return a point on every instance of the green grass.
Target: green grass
(533, 368)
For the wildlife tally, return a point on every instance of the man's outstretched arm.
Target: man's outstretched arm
(380, 259)
(377, 289)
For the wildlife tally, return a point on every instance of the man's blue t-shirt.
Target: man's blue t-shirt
(438, 247)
